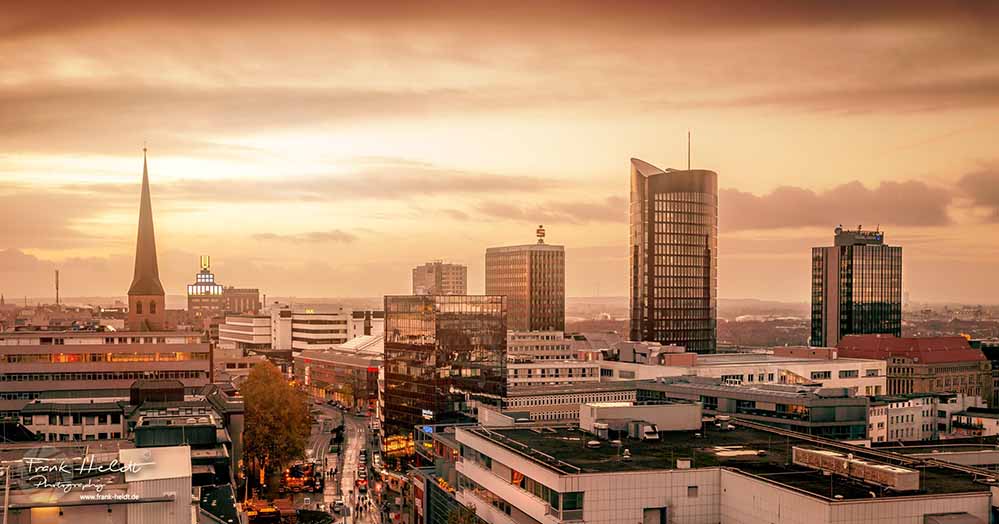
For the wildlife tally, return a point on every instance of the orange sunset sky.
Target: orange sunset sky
(324, 148)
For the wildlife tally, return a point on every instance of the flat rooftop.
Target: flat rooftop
(742, 359)
(756, 452)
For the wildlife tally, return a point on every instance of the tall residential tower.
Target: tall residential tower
(674, 261)
(532, 277)
(856, 287)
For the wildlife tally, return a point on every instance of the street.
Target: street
(346, 463)
(356, 437)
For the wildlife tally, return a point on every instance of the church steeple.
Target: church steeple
(146, 300)
(146, 279)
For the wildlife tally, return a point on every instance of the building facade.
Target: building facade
(828, 412)
(856, 287)
(438, 278)
(532, 277)
(925, 364)
(915, 417)
(441, 350)
(205, 296)
(539, 345)
(241, 300)
(95, 364)
(674, 261)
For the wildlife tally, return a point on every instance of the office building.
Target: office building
(539, 345)
(80, 364)
(856, 287)
(242, 333)
(674, 256)
(204, 296)
(440, 351)
(438, 278)
(925, 364)
(241, 300)
(532, 278)
(146, 300)
(526, 371)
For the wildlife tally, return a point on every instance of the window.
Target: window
(871, 373)
(152, 307)
(138, 308)
(691, 491)
(819, 375)
(849, 373)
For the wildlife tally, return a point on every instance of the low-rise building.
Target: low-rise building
(828, 412)
(976, 422)
(737, 474)
(862, 376)
(924, 364)
(915, 417)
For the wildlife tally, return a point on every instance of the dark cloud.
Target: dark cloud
(632, 17)
(876, 95)
(982, 188)
(611, 209)
(335, 235)
(895, 203)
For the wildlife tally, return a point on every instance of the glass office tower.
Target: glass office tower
(440, 351)
(674, 244)
(856, 287)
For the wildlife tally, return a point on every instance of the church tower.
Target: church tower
(146, 301)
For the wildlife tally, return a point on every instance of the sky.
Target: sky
(324, 148)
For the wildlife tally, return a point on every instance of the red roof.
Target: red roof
(922, 350)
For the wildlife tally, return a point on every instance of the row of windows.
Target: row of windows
(77, 419)
(119, 375)
(77, 437)
(72, 358)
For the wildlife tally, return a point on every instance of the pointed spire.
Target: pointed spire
(146, 280)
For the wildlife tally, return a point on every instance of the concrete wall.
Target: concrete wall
(666, 417)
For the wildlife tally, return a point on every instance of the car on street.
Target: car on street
(338, 505)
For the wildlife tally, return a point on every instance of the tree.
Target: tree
(277, 419)
(463, 515)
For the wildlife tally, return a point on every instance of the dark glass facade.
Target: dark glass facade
(856, 288)
(674, 244)
(441, 350)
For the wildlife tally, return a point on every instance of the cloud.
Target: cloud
(34, 218)
(334, 235)
(375, 179)
(611, 209)
(908, 203)
(982, 188)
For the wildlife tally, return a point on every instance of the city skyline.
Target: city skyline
(384, 132)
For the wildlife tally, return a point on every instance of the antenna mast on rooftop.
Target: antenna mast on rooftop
(688, 150)
(57, 286)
